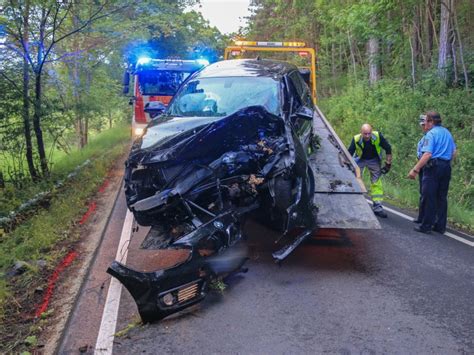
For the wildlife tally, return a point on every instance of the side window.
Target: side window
(301, 126)
(303, 90)
(293, 95)
(297, 83)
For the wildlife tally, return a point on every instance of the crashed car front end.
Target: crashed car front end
(196, 185)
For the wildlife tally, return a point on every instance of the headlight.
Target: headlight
(138, 131)
(168, 299)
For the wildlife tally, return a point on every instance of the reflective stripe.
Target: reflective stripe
(376, 191)
(359, 143)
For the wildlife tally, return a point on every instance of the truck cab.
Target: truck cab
(155, 81)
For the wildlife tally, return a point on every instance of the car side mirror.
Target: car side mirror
(125, 82)
(155, 108)
(304, 113)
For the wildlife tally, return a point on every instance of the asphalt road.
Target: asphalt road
(351, 292)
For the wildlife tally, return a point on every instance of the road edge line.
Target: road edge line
(447, 234)
(105, 337)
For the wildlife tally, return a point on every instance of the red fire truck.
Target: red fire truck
(155, 81)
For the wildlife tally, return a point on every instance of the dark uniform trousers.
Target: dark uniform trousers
(434, 195)
(420, 202)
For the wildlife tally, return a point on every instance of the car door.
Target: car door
(302, 97)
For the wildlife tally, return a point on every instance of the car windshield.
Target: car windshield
(160, 82)
(224, 96)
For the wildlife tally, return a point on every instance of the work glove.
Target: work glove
(386, 168)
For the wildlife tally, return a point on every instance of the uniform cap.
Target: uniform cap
(422, 119)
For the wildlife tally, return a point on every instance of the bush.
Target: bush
(393, 108)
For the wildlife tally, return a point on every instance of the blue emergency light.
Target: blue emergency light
(143, 60)
(203, 62)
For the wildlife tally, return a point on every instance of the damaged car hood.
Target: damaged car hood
(188, 138)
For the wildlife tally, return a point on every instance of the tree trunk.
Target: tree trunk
(76, 90)
(333, 57)
(374, 67)
(413, 62)
(351, 49)
(37, 125)
(443, 39)
(428, 32)
(452, 47)
(38, 95)
(461, 50)
(417, 42)
(26, 96)
(2, 180)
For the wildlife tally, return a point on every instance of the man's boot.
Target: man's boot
(378, 210)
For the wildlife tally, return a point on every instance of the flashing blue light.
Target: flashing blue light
(203, 62)
(143, 60)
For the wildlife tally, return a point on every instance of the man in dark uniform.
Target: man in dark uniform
(438, 151)
(419, 153)
(367, 149)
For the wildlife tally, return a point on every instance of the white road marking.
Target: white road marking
(105, 338)
(447, 234)
(459, 239)
(398, 213)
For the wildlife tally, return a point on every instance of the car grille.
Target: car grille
(187, 293)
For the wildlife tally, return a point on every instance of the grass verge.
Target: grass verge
(458, 216)
(407, 197)
(62, 164)
(41, 241)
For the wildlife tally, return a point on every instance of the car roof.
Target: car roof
(246, 67)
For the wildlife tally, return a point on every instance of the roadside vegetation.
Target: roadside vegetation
(385, 63)
(31, 250)
(393, 108)
(62, 112)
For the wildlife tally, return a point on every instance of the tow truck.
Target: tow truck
(339, 194)
(155, 81)
(237, 142)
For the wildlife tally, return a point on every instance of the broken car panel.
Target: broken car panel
(232, 144)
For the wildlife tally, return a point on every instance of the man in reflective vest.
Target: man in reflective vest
(367, 147)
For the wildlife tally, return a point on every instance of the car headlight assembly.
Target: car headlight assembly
(138, 132)
(168, 299)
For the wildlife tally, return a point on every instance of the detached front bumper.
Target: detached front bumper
(164, 292)
(167, 291)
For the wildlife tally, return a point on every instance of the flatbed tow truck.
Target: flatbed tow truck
(339, 193)
(254, 164)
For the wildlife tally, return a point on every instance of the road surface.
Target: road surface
(346, 292)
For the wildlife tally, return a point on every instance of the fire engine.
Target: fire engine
(155, 81)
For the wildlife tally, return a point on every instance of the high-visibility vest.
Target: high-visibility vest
(359, 143)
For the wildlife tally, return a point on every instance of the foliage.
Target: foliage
(75, 55)
(414, 76)
(407, 33)
(393, 108)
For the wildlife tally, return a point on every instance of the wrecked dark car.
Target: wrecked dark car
(232, 145)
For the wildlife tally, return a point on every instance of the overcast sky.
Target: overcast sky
(226, 15)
